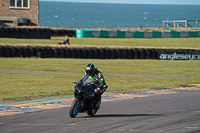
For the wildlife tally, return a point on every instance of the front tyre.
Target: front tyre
(75, 108)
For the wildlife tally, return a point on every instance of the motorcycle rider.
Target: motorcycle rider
(66, 41)
(96, 75)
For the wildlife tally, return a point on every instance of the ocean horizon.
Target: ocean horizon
(109, 15)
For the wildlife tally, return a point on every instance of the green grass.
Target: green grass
(139, 42)
(180, 43)
(17, 86)
(21, 86)
(119, 66)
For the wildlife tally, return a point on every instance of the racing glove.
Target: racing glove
(97, 90)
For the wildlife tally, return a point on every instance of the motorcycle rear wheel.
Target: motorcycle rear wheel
(94, 110)
(75, 108)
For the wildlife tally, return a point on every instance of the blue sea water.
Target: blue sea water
(93, 15)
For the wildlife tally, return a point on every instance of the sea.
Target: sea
(101, 15)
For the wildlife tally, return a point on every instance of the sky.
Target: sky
(180, 2)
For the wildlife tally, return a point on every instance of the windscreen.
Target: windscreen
(87, 80)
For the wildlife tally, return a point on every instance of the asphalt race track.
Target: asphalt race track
(135, 75)
(173, 109)
(169, 113)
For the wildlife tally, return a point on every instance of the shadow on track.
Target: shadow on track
(124, 115)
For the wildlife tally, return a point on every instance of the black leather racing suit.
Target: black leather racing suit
(100, 82)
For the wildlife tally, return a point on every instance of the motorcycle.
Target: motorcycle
(85, 100)
(66, 41)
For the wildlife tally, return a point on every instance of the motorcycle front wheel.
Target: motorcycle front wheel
(75, 108)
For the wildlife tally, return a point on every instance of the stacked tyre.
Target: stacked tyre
(89, 53)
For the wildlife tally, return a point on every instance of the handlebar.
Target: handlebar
(88, 83)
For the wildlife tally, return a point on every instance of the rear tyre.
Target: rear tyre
(75, 108)
(94, 110)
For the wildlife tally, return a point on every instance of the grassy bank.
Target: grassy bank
(20, 86)
(117, 28)
(174, 43)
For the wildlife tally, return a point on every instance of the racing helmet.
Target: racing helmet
(89, 69)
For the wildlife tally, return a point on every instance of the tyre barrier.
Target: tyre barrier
(34, 33)
(28, 33)
(69, 33)
(99, 53)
